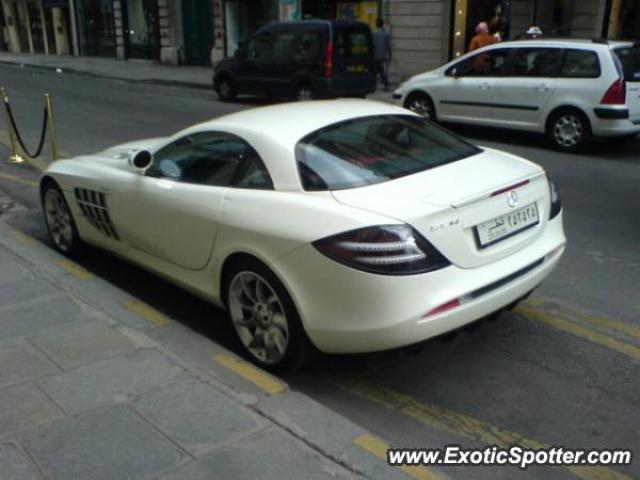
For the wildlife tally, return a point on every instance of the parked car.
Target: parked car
(349, 225)
(301, 60)
(572, 90)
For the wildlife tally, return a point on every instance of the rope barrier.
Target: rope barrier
(17, 132)
(14, 133)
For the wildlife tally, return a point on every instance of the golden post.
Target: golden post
(52, 130)
(15, 156)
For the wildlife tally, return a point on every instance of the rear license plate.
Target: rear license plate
(504, 226)
(356, 68)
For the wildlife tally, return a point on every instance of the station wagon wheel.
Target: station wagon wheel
(264, 317)
(226, 90)
(62, 229)
(569, 130)
(421, 104)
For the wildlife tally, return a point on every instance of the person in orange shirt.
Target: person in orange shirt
(482, 38)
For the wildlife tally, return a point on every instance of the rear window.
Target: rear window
(349, 42)
(630, 61)
(580, 64)
(370, 150)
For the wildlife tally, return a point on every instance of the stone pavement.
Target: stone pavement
(95, 385)
(128, 70)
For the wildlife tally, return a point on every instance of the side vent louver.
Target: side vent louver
(94, 208)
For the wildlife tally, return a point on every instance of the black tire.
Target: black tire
(303, 92)
(569, 130)
(299, 349)
(62, 231)
(422, 104)
(225, 89)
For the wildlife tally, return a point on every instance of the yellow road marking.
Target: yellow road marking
(26, 240)
(17, 179)
(74, 269)
(261, 379)
(147, 312)
(378, 448)
(450, 421)
(628, 349)
(571, 314)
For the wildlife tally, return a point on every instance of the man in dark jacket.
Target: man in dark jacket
(382, 49)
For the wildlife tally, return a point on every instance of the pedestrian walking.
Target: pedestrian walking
(382, 51)
(482, 37)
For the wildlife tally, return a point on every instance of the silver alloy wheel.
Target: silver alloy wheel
(568, 130)
(304, 93)
(58, 219)
(420, 105)
(259, 317)
(224, 88)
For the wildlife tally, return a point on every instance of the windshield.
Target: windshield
(370, 150)
(630, 61)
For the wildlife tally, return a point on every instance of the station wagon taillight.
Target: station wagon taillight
(328, 60)
(616, 94)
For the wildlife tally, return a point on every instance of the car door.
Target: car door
(172, 211)
(467, 93)
(253, 62)
(523, 92)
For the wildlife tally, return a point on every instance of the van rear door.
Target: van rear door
(352, 52)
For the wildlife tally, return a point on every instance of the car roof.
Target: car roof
(563, 42)
(287, 123)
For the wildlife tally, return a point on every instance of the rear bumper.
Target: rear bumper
(348, 311)
(612, 121)
(344, 86)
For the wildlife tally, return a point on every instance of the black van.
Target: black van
(302, 60)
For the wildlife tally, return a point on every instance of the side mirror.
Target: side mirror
(141, 160)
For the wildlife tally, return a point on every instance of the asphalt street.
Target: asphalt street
(561, 370)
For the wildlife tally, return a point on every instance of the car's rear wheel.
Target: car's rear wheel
(569, 130)
(60, 224)
(226, 90)
(421, 104)
(303, 92)
(264, 317)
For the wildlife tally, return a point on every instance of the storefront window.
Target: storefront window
(141, 28)
(243, 18)
(468, 14)
(624, 19)
(569, 18)
(95, 27)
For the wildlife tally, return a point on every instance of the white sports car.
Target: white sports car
(348, 225)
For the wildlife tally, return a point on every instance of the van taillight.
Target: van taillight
(328, 60)
(617, 93)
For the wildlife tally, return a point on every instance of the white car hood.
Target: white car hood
(147, 144)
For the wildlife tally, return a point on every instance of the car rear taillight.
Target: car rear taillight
(384, 249)
(328, 60)
(554, 194)
(616, 94)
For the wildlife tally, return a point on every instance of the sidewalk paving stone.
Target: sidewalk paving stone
(108, 444)
(37, 315)
(20, 362)
(15, 464)
(115, 380)
(25, 289)
(268, 454)
(24, 406)
(74, 345)
(195, 415)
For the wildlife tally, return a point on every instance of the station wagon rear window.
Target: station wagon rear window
(630, 61)
(370, 150)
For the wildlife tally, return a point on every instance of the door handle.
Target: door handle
(485, 86)
(543, 87)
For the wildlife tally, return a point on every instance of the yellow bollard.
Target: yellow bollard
(15, 156)
(52, 130)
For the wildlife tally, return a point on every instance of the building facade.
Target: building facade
(425, 33)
